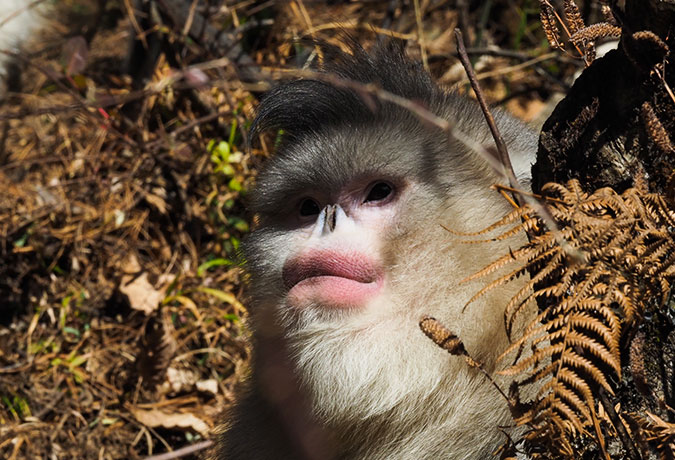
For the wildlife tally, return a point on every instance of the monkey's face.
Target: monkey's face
(333, 210)
(350, 253)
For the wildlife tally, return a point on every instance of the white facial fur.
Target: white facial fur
(370, 368)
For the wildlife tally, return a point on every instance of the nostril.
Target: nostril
(331, 217)
(327, 220)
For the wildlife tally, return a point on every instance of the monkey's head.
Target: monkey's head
(350, 251)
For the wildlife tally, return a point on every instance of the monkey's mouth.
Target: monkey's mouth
(331, 279)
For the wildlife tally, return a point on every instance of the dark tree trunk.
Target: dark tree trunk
(603, 132)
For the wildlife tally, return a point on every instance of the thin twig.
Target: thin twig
(665, 84)
(463, 15)
(513, 68)
(353, 25)
(190, 18)
(131, 14)
(420, 34)
(194, 123)
(626, 439)
(499, 140)
(182, 452)
(492, 50)
(503, 153)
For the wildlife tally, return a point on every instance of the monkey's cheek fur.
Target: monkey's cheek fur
(333, 292)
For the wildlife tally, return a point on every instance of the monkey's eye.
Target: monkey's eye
(379, 191)
(309, 207)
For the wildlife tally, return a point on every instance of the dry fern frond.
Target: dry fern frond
(595, 32)
(548, 23)
(510, 218)
(581, 36)
(573, 16)
(586, 303)
(654, 433)
(656, 129)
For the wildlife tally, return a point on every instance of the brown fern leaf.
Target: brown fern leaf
(658, 206)
(570, 195)
(595, 32)
(656, 129)
(526, 226)
(498, 282)
(552, 434)
(528, 254)
(654, 434)
(586, 304)
(548, 23)
(573, 16)
(515, 305)
(514, 215)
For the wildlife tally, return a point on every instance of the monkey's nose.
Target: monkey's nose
(328, 219)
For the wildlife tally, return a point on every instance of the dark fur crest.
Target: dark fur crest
(304, 107)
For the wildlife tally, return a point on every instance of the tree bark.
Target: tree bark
(603, 132)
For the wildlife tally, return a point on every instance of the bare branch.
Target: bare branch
(499, 140)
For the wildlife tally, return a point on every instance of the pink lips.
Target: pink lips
(331, 279)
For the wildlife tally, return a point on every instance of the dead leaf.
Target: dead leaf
(141, 293)
(157, 201)
(76, 55)
(156, 418)
(181, 379)
(207, 386)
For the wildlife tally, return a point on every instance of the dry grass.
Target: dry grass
(122, 324)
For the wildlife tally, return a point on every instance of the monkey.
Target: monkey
(349, 252)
